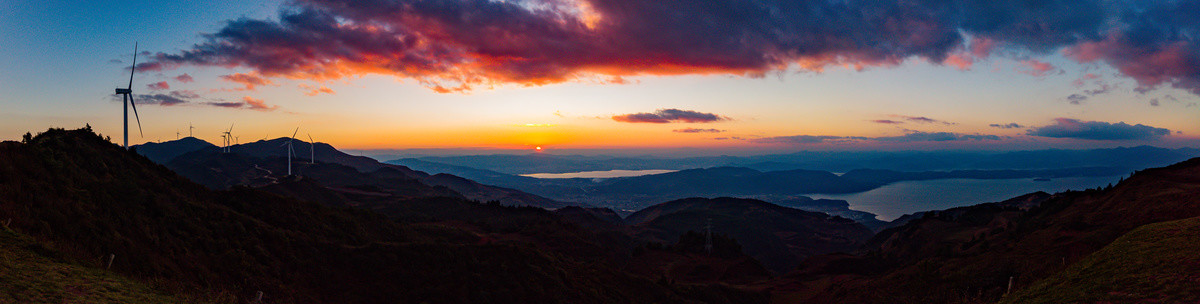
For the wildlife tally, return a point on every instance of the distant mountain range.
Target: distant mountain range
(789, 187)
(263, 162)
(73, 201)
(833, 161)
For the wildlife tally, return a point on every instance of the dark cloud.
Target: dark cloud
(1154, 102)
(172, 98)
(801, 139)
(886, 121)
(160, 99)
(1098, 130)
(451, 46)
(930, 136)
(669, 115)
(695, 130)
(907, 137)
(248, 103)
(1077, 98)
(1011, 125)
(923, 119)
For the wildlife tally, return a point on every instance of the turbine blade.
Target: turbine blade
(310, 141)
(135, 115)
(230, 128)
(294, 133)
(134, 66)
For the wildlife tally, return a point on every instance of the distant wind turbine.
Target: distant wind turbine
(311, 150)
(228, 137)
(127, 99)
(290, 151)
(190, 127)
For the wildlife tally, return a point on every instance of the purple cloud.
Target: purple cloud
(453, 46)
(1098, 130)
(670, 115)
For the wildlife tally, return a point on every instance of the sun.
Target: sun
(538, 149)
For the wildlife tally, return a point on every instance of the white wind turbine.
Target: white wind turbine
(127, 99)
(228, 136)
(290, 151)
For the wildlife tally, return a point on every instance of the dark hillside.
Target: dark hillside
(969, 254)
(777, 236)
(89, 198)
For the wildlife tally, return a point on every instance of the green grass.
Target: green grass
(30, 273)
(1156, 263)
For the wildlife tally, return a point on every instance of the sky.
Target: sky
(728, 77)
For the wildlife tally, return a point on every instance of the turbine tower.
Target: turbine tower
(190, 127)
(311, 150)
(289, 149)
(228, 138)
(127, 99)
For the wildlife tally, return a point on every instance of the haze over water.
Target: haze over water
(893, 200)
(598, 174)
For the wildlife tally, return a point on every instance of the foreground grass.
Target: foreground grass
(1156, 263)
(31, 273)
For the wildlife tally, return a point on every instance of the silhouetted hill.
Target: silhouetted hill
(166, 151)
(969, 254)
(1130, 158)
(262, 163)
(90, 198)
(874, 176)
(777, 236)
(304, 151)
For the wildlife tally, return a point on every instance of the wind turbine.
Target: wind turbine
(290, 151)
(127, 99)
(228, 137)
(190, 127)
(311, 150)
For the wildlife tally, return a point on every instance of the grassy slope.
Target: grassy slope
(30, 273)
(1157, 263)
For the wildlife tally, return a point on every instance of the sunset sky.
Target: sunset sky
(753, 76)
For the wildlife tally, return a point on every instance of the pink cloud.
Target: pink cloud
(161, 85)
(184, 78)
(258, 104)
(251, 80)
(314, 91)
(1037, 68)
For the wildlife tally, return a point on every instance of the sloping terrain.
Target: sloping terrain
(1156, 263)
(90, 198)
(971, 254)
(32, 273)
(777, 236)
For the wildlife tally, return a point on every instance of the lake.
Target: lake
(896, 199)
(599, 174)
